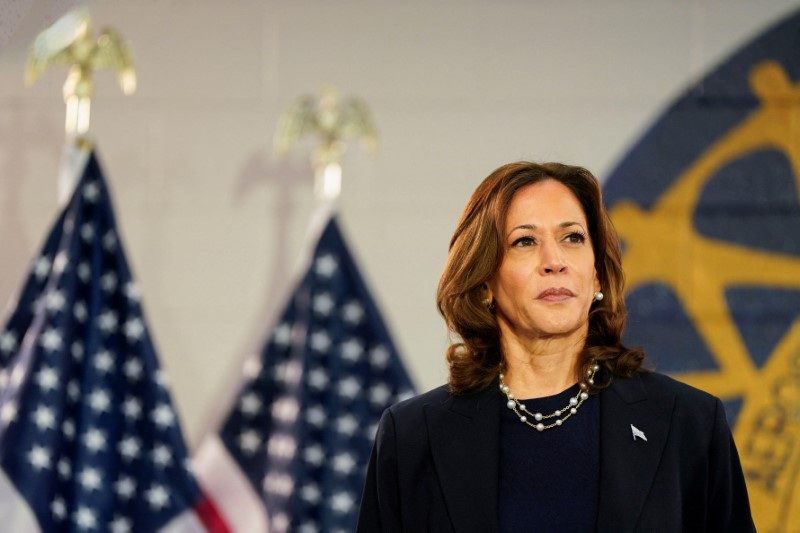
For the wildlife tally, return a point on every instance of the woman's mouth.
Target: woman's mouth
(555, 294)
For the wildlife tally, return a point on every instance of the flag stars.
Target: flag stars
(342, 502)
(250, 404)
(133, 369)
(320, 341)
(100, 401)
(120, 524)
(47, 379)
(103, 361)
(108, 282)
(85, 518)
(283, 335)
(311, 493)
(134, 329)
(349, 387)
(318, 378)
(344, 463)
(84, 272)
(280, 445)
(77, 351)
(288, 372)
(379, 394)
(160, 378)
(64, 468)
(308, 527)
(316, 416)
(163, 416)
(61, 262)
(285, 409)
(59, 509)
(39, 457)
(87, 232)
(132, 292)
(95, 440)
(91, 192)
(129, 448)
(68, 429)
(107, 321)
(280, 522)
(8, 413)
(347, 425)
(132, 408)
(250, 441)
(157, 496)
(161, 456)
(90, 479)
(51, 340)
(326, 265)
(314, 455)
(352, 350)
(277, 483)
(110, 240)
(379, 356)
(73, 390)
(44, 418)
(125, 487)
(353, 312)
(41, 267)
(80, 312)
(323, 304)
(56, 301)
(252, 367)
(8, 342)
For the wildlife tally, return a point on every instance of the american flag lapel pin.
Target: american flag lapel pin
(637, 433)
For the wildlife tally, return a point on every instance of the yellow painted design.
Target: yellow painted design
(662, 246)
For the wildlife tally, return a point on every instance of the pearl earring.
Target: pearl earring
(598, 295)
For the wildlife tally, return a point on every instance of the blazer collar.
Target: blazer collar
(628, 465)
(465, 445)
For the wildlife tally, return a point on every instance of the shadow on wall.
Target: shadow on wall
(290, 180)
(22, 137)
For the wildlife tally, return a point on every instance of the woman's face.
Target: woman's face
(546, 281)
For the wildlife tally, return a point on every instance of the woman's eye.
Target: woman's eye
(576, 238)
(523, 241)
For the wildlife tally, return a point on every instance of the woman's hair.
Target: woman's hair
(476, 251)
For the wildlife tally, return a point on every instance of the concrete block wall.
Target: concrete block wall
(213, 222)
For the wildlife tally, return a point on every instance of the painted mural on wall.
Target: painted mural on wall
(707, 206)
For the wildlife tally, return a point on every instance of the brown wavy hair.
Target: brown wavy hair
(476, 252)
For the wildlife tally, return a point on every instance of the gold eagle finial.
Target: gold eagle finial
(69, 42)
(332, 121)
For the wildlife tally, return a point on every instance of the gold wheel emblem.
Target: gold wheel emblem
(662, 246)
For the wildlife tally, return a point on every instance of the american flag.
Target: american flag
(302, 426)
(89, 440)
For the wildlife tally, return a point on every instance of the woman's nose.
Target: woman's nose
(552, 258)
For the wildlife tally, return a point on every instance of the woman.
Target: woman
(548, 422)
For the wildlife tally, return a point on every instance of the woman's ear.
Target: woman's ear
(488, 296)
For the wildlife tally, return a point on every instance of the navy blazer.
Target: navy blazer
(434, 466)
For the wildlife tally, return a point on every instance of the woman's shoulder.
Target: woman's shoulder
(653, 385)
(438, 396)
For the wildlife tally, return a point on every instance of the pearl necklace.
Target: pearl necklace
(570, 409)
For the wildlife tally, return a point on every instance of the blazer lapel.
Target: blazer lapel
(628, 465)
(464, 438)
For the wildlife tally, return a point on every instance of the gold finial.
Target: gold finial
(332, 121)
(68, 41)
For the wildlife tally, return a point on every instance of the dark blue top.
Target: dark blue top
(549, 479)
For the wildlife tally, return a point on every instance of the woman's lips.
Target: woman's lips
(555, 294)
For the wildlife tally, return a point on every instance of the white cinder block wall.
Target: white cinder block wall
(213, 222)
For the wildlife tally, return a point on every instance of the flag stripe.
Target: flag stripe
(234, 497)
